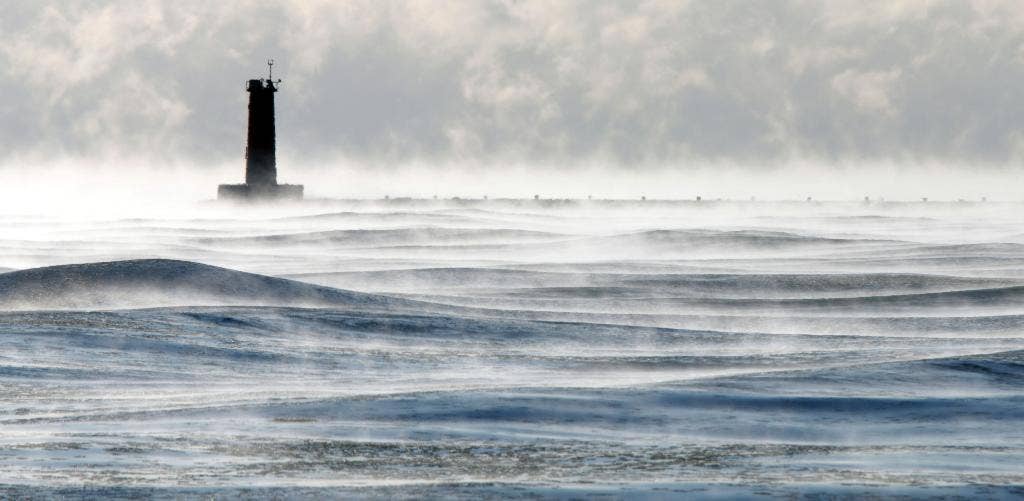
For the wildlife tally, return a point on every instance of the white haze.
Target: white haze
(633, 85)
(78, 188)
(467, 348)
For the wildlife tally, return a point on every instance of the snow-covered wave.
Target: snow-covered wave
(744, 238)
(529, 283)
(163, 282)
(390, 237)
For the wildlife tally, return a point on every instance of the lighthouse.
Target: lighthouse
(261, 149)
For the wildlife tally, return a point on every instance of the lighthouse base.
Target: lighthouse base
(257, 193)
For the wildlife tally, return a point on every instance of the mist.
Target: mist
(78, 188)
(133, 104)
(415, 346)
(635, 86)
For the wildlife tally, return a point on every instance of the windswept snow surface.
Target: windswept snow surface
(504, 349)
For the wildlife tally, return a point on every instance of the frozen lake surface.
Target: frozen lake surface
(493, 349)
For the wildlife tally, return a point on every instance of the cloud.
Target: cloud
(555, 82)
(870, 91)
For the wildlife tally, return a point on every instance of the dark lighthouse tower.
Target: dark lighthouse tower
(260, 161)
(260, 150)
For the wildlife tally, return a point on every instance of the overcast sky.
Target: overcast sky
(620, 83)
